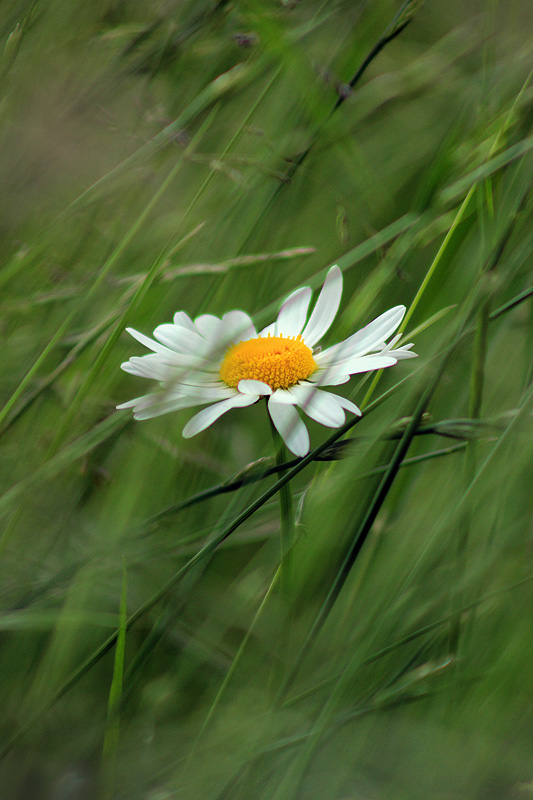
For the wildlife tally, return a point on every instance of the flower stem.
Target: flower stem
(285, 570)
(286, 514)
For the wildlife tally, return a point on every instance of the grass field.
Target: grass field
(169, 628)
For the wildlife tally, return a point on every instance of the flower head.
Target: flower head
(227, 364)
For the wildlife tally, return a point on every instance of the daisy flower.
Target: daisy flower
(227, 364)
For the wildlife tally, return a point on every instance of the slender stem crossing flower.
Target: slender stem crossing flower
(226, 363)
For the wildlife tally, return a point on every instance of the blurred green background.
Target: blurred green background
(164, 156)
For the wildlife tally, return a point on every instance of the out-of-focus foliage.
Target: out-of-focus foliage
(209, 156)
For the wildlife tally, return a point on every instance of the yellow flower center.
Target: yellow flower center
(279, 361)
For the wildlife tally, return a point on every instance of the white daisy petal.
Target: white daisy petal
(209, 326)
(368, 338)
(250, 386)
(161, 368)
(404, 352)
(338, 373)
(178, 380)
(399, 352)
(204, 418)
(184, 321)
(320, 406)
(290, 427)
(325, 309)
(239, 326)
(145, 401)
(207, 393)
(193, 384)
(129, 403)
(293, 313)
(284, 396)
(144, 367)
(329, 377)
(184, 361)
(181, 340)
(158, 403)
(347, 404)
(359, 364)
(147, 342)
(160, 409)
